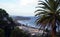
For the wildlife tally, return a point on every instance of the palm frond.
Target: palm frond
(41, 13)
(51, 3)
(58, 10)
(42, 19)
(58, 22)
(50, 12)
(58, 18)
(45, 4)
(41, 7)
(39, 10)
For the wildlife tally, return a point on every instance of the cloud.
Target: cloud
(19, 7)
(27, 2)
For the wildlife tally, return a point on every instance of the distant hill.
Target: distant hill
(20, 18)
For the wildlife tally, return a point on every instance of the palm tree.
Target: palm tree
(6, 22)
(49, 14)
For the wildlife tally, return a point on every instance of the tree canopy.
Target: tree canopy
(49, 14)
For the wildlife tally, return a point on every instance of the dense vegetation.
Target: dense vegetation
(15, 33)
(49, 14)
(8, 27)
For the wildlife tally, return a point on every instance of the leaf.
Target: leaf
(40, 13)
(39, 10)
(46, 5)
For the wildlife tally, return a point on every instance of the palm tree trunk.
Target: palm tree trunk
(53, 28)
(53, 31)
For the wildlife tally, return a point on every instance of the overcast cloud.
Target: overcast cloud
(19, 7)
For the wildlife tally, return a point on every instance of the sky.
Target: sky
(19, 7)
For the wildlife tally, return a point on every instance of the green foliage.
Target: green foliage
(9, 26)
(6, 22)
(49, 13)
(15, 33)
(1, 33)
(19, 33)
